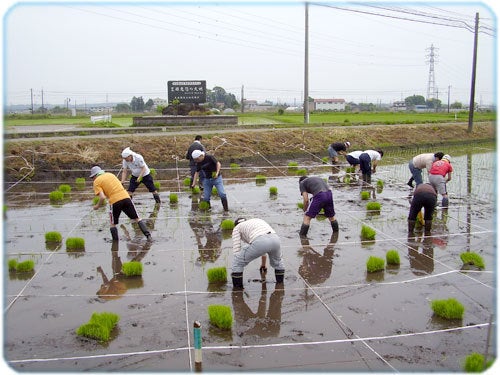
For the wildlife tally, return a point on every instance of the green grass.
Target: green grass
(375, 264)
(53, 237)
(367, 233)
(56, 196)
(132, 268)
(472, 258)
(174, 198)
(227, 224)
(448, 309)
(99, 326)
(392, 257)
(220, 316)
(373, 206)
(217, 275)
(273, 190)
(75, 243)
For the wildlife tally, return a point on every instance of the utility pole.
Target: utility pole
(449, 87)
(31, 90)
(43, 109)
(242, 99)
(306, 67)
(473, 79)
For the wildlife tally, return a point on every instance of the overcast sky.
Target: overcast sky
(376, 52)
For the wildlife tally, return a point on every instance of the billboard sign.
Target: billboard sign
(187, 91)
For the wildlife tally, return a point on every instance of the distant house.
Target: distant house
(329, 104)
(398, 106)
(252, 105)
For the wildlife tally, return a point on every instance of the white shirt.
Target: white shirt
(136, 165)
(374, 155)
(248, 230)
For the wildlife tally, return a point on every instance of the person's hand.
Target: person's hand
(139, 180)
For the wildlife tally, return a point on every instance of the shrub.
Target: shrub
(173, 198)
(73, 243)
(367, 233)
(260, 179)
(374, 264)
(473, 259)
(227, 224)
(392, 257)
(373, 206)
(132, 268)
(449, 309)
(53, 237)
(64, 188)
(217, 275)
(365, 195)
(56, 196)
(220, 316)
(273, 190)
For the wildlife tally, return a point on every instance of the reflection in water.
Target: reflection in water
(421, 263)
(115, 287)
(316, 268)
(208, 238)
(261, 323)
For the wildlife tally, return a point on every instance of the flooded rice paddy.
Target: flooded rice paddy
(330, 315)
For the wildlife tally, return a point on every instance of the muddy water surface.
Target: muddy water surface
(331, 314)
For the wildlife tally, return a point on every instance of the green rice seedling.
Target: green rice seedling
(26, 266)
(56, 196)
(64, 188)
(204, 206)
(80, 183)
(132, 268)
(260, 179)
(234, 166)
(75, 243)
(380, 183)
(93, 331)
(365, 195)
(107, 319)
(373, 206)
(12, 264)
(53, 237)
(350, 169)
(220, 316)
(214, 191)
(152, 172)
(367, 233)
(392, 257)
(187, 181)
(472, 259)
(347, 179)
(375, 264)
(217, 275)
(300, 205)
(474, 362)
(325, 159)
(227, 224)
(95, 200)
(174, 198)
(157, 185)
(448, 309)
(293, 166)
(273, 190)
(196, 190)
(302, 172)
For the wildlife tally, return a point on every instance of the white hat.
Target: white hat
(348, 144)
(197, 154)
(126, 152)
(95, 170)
(447, 157)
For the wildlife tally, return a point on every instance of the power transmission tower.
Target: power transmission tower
(431, 83)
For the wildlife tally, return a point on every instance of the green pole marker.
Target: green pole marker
(197, 342)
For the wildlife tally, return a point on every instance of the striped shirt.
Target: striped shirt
(248, 230)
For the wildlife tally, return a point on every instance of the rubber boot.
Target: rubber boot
(224, 204)
(444, 202)
(304, 229)
(428, 226)
(411, 226)
(410, 182)
(237, 280)
(156, 196)
(144, 229)
(369, 179)
(335, 225)
(114, 233)
(280, 275)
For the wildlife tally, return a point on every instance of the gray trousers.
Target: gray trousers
(266, 244)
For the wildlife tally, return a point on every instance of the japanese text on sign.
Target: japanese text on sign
(187, 91)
